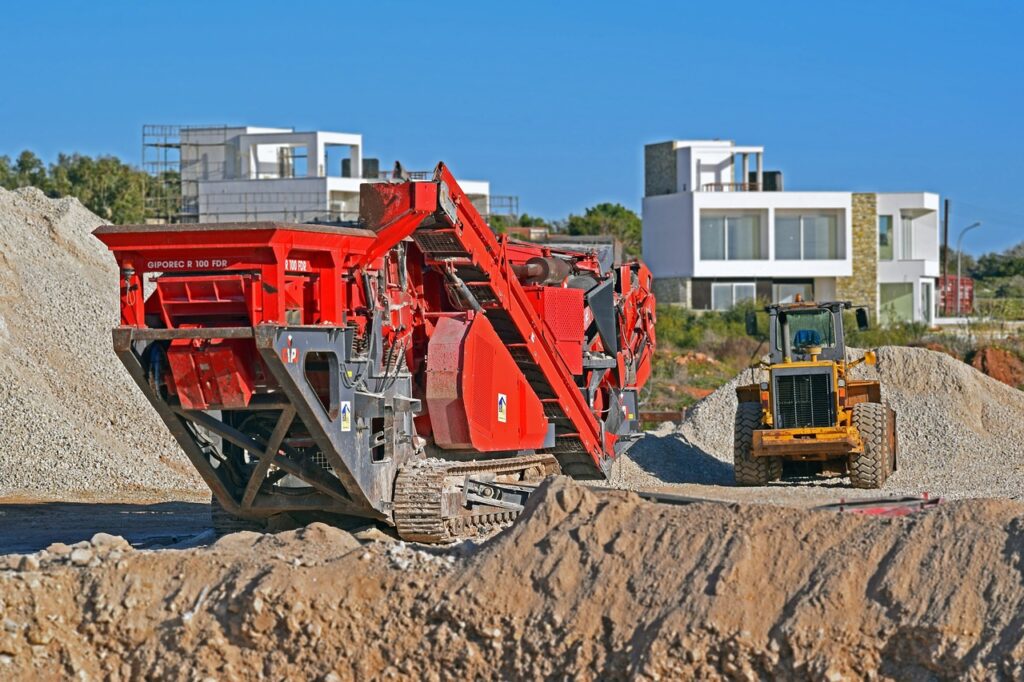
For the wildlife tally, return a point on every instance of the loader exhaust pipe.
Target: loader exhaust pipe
(540, 270)
(787, 342)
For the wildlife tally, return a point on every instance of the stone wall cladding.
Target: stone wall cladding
(862, 287)
(659, 169)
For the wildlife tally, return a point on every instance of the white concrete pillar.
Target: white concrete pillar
(760, 173)
(355, 153)
(746, 169)
(316, 153)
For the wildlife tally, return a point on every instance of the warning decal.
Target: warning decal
(346, 415)
(502, 408)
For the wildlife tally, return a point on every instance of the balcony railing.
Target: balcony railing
(731, 187)
(413, 175)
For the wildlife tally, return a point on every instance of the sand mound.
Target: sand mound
(71, 420)
(585, 585)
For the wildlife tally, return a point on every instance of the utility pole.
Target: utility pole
(959, 253)
(945, 239)
(945, 259)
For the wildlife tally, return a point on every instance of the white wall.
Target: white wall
(285, 199)
(924, 259)
(671, 234)
(769, 203)
(668, 235)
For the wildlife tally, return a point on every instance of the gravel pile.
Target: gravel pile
(72, 423)
(961, 434)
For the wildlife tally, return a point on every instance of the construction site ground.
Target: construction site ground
(109, 568)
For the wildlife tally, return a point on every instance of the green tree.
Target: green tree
(29, 171)
(6, 173)
(527, 220)
(498, 223)
(108, 187)
(1009, 263)
(610, 219)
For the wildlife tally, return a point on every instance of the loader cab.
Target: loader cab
(800, 332)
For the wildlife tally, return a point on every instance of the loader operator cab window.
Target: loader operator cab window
(808, 328)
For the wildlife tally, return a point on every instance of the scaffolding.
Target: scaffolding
(505, 205)
(173, 191)
(176, 159)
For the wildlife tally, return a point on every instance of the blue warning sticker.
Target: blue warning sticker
(346, 415)
(502, 408)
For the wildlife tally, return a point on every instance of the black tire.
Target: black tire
(224, 522)
(747, 469)
(871, 468)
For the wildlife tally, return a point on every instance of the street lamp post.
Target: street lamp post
(959, 255)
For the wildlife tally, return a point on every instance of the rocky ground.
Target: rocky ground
(586, 585)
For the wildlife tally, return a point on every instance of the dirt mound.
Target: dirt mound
(585, 585)
(1000, 364)
(71, 420)
(961, 433)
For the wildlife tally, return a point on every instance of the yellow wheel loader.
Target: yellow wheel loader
(809, 410)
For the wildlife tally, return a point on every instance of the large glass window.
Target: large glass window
(787, 237)
(712, 238)
(731, 238)
(807, 237)
(896, 302)
(787, 293)
(885, 237)
(724, 295)
(743, 238)
(821, 241)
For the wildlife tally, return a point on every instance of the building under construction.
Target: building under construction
(220, 173)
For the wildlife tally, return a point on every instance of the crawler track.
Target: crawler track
(430, 504)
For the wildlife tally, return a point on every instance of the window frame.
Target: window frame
(726, 218)
(891, 235)
(732, 293)
(802, 239)
(906, 237)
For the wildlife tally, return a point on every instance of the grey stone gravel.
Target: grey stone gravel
(72, 423)
(961, 434)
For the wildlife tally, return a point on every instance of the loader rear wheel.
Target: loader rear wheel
(224, 522)
(750, 470)
(870, 469)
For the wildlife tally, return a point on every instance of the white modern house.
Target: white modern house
(718, 229)
(247, 173)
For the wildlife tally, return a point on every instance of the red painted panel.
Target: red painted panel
(208, 375)
(476, 395)
(562, 312)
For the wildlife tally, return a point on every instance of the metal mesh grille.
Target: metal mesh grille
(439, 244)
(521, 356)
(553, 411)
(803, 400)
(484, 295)
(320, 459)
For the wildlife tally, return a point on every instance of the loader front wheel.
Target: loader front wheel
(750, 470)
(870, 468)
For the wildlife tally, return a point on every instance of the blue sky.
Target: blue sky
(552, 101)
